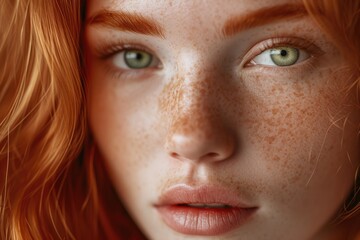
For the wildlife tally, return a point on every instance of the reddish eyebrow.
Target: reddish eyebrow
(137, 23)
(126, 22)
(263, 16)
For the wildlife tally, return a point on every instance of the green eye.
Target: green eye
(137, 59)
(284, 56)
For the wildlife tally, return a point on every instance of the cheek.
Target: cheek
(305, 134)
(122, 120)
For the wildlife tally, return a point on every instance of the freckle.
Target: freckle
(298, 94)
(295, 178)
(273, 89)
(275, 110)
(269, 139)
(288, 115)
(276, 158)
(281, 130)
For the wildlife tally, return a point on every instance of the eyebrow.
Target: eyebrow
(263, 16)
(129, 22)
(137, 23)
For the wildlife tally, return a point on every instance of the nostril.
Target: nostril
(174, 155)
(212, 155)
(196, 147)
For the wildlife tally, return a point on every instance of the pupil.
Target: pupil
(138, 56)
(283, 53)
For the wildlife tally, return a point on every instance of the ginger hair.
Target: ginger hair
(42, 117)
(49, 171)
(341, 21)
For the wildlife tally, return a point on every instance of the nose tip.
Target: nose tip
(198, 147)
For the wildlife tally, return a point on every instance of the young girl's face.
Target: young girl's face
(221, 119)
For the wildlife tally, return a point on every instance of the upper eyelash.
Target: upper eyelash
(284, 41)
(293, 42)
(106, 50)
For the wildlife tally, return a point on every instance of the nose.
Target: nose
(199, 142)
(198, 132)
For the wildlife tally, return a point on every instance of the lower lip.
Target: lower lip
(204, 221)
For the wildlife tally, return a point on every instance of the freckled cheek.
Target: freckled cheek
(279, 123)
(281, 137)
(298, 142)
(283, 122)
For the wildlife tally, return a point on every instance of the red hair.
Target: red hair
(341, 21)
(48, 179)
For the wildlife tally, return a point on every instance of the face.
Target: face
(221, 119)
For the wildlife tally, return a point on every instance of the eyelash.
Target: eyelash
(299, 43)
(281, 41)
(107, 50)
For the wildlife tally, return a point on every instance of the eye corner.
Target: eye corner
(249, 64)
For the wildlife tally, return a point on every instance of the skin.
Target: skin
(283, 138)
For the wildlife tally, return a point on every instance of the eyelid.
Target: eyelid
(108, 49)
(300, 43)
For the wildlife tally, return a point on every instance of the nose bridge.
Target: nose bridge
(194, 95)
(195, 98)
(197, 80)
(191, 112)
(193, 117)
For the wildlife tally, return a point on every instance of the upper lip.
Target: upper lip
(204, 194)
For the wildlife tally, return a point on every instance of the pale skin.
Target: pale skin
(216, 110)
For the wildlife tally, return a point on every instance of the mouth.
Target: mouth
(203, 205)
(205, 210)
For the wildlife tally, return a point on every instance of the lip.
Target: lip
(175, 211)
